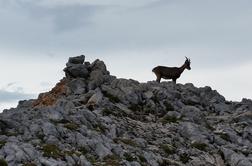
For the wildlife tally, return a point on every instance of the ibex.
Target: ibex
(171, 72)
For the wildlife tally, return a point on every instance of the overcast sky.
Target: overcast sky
(131, 36)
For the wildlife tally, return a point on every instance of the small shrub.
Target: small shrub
(64, 121)
(200, 146)
(208, 126)
(126, 141)
(107, 112)
(129, 142)
(71, 126)
(11, 133)
(169, 119)
(113, 111)
(29, 164)
(167, 162)
(225, 136)
(168, 106)
(142, 159)
(100, 128)
(70, 153)
(184, 158)
(111, 160)
(91, 159)
(128, 157)
(168, 149)
(41, 136)
(112, 98)
(135, 107)
(3, 162)
(83, 150)
(2, 143)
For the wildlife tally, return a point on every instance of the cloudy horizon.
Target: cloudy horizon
(132, 37)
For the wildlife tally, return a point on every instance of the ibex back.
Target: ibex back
(171, 72)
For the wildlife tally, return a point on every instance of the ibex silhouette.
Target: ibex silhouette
(171, 72)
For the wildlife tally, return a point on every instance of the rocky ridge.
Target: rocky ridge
(91, 118)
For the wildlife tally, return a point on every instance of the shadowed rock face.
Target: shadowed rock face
(91, 118)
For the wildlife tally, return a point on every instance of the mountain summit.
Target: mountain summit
(91, 118)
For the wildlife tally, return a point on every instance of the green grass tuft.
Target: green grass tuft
(2, 143)
(29, 164)
(112, 98)
(168, 106)
(184, 158)
(107, 112)
(111, 160)
(128, 157)
(83, 150)
(225, 136)
(100, 128)
(51, 150)
(169, 119)
(168, 149)
(200, 146)
(126, 141)
(142, 158)
(71, 126)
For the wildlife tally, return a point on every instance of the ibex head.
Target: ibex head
(188, 63)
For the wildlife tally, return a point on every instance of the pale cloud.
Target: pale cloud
(7, 105)
(127, 3)
(37, 36)
(12, 92)
(60, 3)
(8, 96)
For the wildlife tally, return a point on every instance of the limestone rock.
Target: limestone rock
(92, 118)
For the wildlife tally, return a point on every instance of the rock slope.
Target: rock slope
(91, 118)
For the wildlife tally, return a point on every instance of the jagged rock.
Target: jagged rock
(75, 67)
(53, 115)
(135, 163)
(101, 150)
(194, 132)
(48, 128)
(51, 162)
(193, 114)
(50, 98)
(92, 118)
(77, 86)
(94, 100)
(235, 159)
(244, 117)
(97, 75)
(15, 153)
(70, 160)
(247, 134)
(151, 158)
(77, 60)
(84, 162)
(76, 71)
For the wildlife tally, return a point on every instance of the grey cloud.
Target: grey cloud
(212, 33)
(11, 84)
(61, 17)
(45, 84)
(128, 3)
(29, 28)
(7, 96)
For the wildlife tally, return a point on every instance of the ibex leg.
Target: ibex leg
(158, 78)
